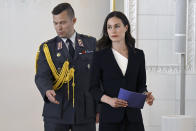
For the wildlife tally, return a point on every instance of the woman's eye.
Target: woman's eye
(109, 27)
(117, 26)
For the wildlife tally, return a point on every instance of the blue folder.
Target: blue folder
(135, 100)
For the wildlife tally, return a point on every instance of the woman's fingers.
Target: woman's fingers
(120, 103)
(150, 99)
(148, 94)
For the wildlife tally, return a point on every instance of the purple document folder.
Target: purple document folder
(135, 100)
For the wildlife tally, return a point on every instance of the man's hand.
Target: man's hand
(149, 98)
(51, 96)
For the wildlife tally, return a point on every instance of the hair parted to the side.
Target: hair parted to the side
(64, 7)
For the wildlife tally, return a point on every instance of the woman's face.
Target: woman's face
(116, 29)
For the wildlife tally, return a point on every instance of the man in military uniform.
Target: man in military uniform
(63, 73)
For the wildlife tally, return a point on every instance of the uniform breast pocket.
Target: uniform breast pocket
(85, 61)
(87, 56)
(85, 65)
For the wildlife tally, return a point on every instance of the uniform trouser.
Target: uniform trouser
(50, 126)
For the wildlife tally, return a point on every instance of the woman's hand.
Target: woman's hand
(114, 102)
(149, 98)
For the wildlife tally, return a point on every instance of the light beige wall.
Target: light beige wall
(24, 25)
(156, 22)
(156, 29)
(119, 5)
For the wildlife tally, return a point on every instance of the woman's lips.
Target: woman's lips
(114, 35)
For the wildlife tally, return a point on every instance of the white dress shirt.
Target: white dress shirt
(72, 38)
(121, 60)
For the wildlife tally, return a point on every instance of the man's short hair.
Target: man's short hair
(63, 7)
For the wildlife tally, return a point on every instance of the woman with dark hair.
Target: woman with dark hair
(118, 64)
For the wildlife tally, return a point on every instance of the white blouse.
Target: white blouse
(121, 60)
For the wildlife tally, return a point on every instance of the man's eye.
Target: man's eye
(63, 22)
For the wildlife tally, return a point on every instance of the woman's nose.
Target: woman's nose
(113, 30)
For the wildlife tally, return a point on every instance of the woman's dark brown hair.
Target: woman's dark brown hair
(105, 42)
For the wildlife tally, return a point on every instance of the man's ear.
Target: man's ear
(74, 20)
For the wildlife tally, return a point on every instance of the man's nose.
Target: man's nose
(59, 27)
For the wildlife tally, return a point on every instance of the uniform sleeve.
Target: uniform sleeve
(96, 72)
(141, 81)
(43, 77)
(98, 106)
(93, 43)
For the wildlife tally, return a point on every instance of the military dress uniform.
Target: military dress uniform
(69, 76)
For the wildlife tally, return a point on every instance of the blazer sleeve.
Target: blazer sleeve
(97, 103)
(43, 77)
(95, 82)
(141, 80)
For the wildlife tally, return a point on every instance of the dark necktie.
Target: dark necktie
(71, 49)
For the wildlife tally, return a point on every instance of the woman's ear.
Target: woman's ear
(126, 27)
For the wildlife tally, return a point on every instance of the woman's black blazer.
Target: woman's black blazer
(107, 78)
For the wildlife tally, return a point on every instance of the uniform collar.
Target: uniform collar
(72, 38)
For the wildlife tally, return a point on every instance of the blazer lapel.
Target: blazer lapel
(116, 66)
(130, 60)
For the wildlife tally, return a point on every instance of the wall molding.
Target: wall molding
(191, 34)
(131, 13)
(163, 68)
(130, 10)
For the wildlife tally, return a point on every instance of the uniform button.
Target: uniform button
(59, 70)
(88, 66)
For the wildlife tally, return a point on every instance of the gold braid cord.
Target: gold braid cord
(64, 76)
(36, 59)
